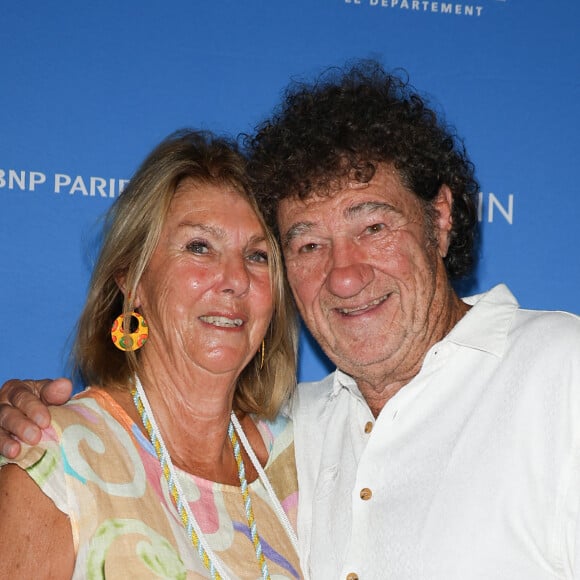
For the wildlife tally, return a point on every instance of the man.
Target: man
(447, 443)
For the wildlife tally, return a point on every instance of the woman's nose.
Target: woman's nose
(235, 277)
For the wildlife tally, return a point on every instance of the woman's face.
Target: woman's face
(206, 293)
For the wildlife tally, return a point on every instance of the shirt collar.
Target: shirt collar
(344, 381)
(485, 327)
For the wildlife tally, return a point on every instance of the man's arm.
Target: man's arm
(35, 536)
(23, 411)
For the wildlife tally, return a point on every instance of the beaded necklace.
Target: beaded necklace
(236, 434)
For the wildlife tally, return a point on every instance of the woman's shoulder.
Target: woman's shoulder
(277, 433)
(278, 437)
(89, 406)
(92, 410)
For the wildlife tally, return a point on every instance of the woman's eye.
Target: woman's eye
(198, 247)
(260, 256)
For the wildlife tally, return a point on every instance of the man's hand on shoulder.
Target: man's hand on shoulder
(24, 412)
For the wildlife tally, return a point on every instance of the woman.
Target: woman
(146, 472)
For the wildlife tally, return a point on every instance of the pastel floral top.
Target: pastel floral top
(98, 468)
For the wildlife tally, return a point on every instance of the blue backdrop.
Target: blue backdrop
(88, 89)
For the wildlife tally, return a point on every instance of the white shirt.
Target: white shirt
(470, 472)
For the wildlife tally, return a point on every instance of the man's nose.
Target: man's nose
(349, 271)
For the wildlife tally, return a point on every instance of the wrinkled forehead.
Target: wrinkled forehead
(298, 215)
(209, 193)
(385, 185)
(218, 203)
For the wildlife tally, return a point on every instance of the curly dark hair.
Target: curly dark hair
(342, 126)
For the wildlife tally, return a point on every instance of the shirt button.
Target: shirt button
(368, 427)
(366, 493)
(352, 576)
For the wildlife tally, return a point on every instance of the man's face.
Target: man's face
(367, 272)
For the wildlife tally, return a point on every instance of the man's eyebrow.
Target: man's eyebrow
(301, 228)
(295, 230)
(369, 207)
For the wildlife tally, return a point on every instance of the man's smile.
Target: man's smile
(363, 308)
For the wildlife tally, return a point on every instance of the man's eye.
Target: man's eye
(375, 228)
(308, 248)
(259, 256)
(198, 247)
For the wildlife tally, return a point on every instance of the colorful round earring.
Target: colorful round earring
(129, 341)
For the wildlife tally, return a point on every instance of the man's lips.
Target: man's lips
(363, 308)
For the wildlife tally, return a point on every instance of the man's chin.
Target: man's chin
(354, 361)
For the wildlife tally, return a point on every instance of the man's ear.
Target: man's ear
(443, 205)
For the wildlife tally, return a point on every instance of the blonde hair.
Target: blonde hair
(131, 233)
